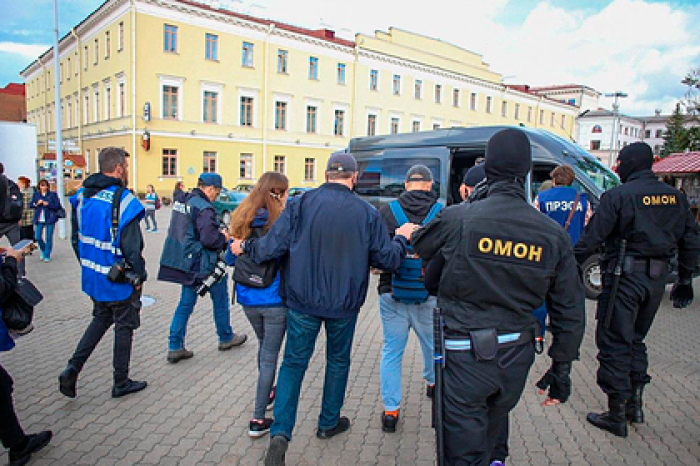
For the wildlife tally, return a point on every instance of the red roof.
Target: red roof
(688, 162)
(323, 34)
(13, 89)
(77, 159)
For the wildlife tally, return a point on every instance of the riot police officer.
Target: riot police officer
(502, 259)
(642, 224)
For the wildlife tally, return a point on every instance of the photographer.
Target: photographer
(190, 255)
(106, 237)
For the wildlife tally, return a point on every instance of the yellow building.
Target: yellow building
(216, 90)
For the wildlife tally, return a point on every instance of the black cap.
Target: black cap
(508, 155)
(341, 162)
(474, 175)
(419, 173)
(636, 157)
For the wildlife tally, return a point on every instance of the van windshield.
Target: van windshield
(603, 177)
(385, 177)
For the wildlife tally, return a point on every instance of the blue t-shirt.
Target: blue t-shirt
(557, 203)
(151, 201)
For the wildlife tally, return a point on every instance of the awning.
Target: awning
(687, 162)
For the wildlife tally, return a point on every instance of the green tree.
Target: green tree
(676, 135)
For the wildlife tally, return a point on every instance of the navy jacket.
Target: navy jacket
(50, 216)
(331, 237)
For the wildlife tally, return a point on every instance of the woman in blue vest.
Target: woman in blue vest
(46, 206)
(263, 307)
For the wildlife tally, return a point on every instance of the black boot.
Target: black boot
(67, 381)
(635, 415)
(612, 420)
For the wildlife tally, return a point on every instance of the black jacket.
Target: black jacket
(416, 205)
(132, 238)
(330, 237)
(502, 260)
(653, 216)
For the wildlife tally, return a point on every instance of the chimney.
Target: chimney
(328, 33)
(657, 112)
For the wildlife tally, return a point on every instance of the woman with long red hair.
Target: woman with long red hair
(263, 307)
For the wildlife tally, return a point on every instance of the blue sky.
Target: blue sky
(643, 47)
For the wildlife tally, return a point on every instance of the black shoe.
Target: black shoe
(342, 425)
(257, 429)
(634, 412)
(35, 442)
(131, 386)
(276, 452)
(389, 422)
(67, 381)
(612, 420)
(430, 391)
(179, 355)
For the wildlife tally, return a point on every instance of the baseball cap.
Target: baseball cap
(474, 175)
(211, 179)
(341, 162)
(419, 173)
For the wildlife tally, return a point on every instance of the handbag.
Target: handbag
(18, 310)
(61, 213)
(248, 273)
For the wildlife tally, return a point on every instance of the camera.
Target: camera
(121, 272)
(216, 275)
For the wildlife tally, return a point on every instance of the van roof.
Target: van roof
(460, 137)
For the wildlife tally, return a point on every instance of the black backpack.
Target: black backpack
(248, 273)
(12, 210)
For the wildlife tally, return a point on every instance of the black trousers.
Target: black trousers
(27, 232)
(478, 395)
(11, 433)
(124, 315)
(622, 353)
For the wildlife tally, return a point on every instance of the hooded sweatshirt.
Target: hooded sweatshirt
(131, 240)
(416, 205)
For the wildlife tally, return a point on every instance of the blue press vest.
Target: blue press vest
(557, 202)
(97, 249)
(407, 282)
(182, 249)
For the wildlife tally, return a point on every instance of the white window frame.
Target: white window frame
(121, 81)
(107, 102)
(394, 91)
(417, 119)
(314, 175)
(252, 165)
(313, 103)
(173, 81)
(397, 117)
(284, 163)
(346, 116)
(253, 94)
(95, 102)
(369, 81)
(474, 101)
(457, 104)
(437, 121)
(120, 38)
(76, 99)
(420, 89)
(211, 87)
(375, 113)
(488, 104)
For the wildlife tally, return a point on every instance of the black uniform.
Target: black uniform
(655, 220)
(502, 259)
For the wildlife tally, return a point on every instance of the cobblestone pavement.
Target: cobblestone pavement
(196, 412)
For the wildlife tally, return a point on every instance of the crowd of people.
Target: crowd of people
(485, 277)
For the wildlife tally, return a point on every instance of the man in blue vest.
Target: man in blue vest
(404, 303)
(106, 231)
(190, 255)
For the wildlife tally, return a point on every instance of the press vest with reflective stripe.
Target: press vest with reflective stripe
(557, 203)
(407, 282)
(97, 248)
(182, 249)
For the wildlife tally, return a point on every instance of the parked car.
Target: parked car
(297, 191)
(243, 188)
(226, 202)
(449, 153)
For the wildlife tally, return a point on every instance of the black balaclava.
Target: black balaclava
(634, 158)
(508, 156)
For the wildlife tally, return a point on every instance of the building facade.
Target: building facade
(185, 88)
(13, 104)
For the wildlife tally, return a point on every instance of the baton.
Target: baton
(439, 359)
(616, 283)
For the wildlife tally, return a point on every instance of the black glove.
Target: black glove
(682, 293)
(557, 380)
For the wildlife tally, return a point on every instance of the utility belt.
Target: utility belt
(654, 268)
(486, 342)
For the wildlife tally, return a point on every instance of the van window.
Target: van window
(385, 177)
(597, 172)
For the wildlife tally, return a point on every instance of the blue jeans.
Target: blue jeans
(44, 246)
(188, 298)
(302, 331)
(269, 324)
(397, 319)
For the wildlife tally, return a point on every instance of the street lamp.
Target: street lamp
(616, 116)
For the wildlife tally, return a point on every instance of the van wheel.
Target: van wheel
(592, 277)
(226, 217)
